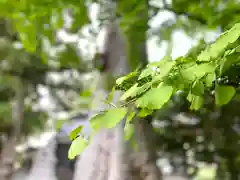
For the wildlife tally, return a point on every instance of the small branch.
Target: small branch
(127, 103)
(113, 105)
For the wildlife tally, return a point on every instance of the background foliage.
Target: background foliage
(202, 120)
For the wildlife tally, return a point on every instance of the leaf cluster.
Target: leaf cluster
(152, 87)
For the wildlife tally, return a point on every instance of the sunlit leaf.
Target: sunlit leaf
(155, 98)
(124, 78)
(128, 131)
(210, 77)
(111, 94)
(77, 147)
(228, 61)
(196, 72)
(59, 124)
(146, 72)
(196, 103)
(109, 118)
(145, 112)
(134, 91)
(75, 132)
(223, 94)
(217, 48)
(130, 117)
(198, 88)
(130, 93)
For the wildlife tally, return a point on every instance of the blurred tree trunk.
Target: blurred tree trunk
(144, 162)
(109, 159)
(44, 163)
(8, 153)
(105, 158)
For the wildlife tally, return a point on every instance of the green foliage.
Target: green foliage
(77, 146)
(128, 131)
(194, 76)
(75, 132)
(59, 124)
(155, 98)
(222, 44)
(129, 127)
(42, 21)
(108, 119)
(152, 87)
(211, 72)
(196, 101)
(224, 94)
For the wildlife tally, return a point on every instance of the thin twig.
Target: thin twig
(110, 103)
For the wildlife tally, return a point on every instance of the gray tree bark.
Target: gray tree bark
(105, 158)
(44, 163)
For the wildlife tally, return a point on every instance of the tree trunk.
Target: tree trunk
(144, 162)
(8, 154)
(104, 159)
(145, 159)
(107, 156)
(43, 167)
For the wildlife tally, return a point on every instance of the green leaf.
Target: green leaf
(143, 88)
(128, 131)
(29, 39)
(216, 49)
(196, 72)
(198, 88)
(228, 61)
(197, 102)
(165, 69)
(77, 147)
(124, 78)
(145, 112)
(155, 98)
(108, 119)
(50, 34)
(130, 116)
(190, 97)
(223, 94)
(59, 124)
(75, 132)
(111, 94)
(130, 92)
(86, 93)
(135, 90)
(210, 77)
(163, 61)
(96, 121)
(146, 72)
(58, 22)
